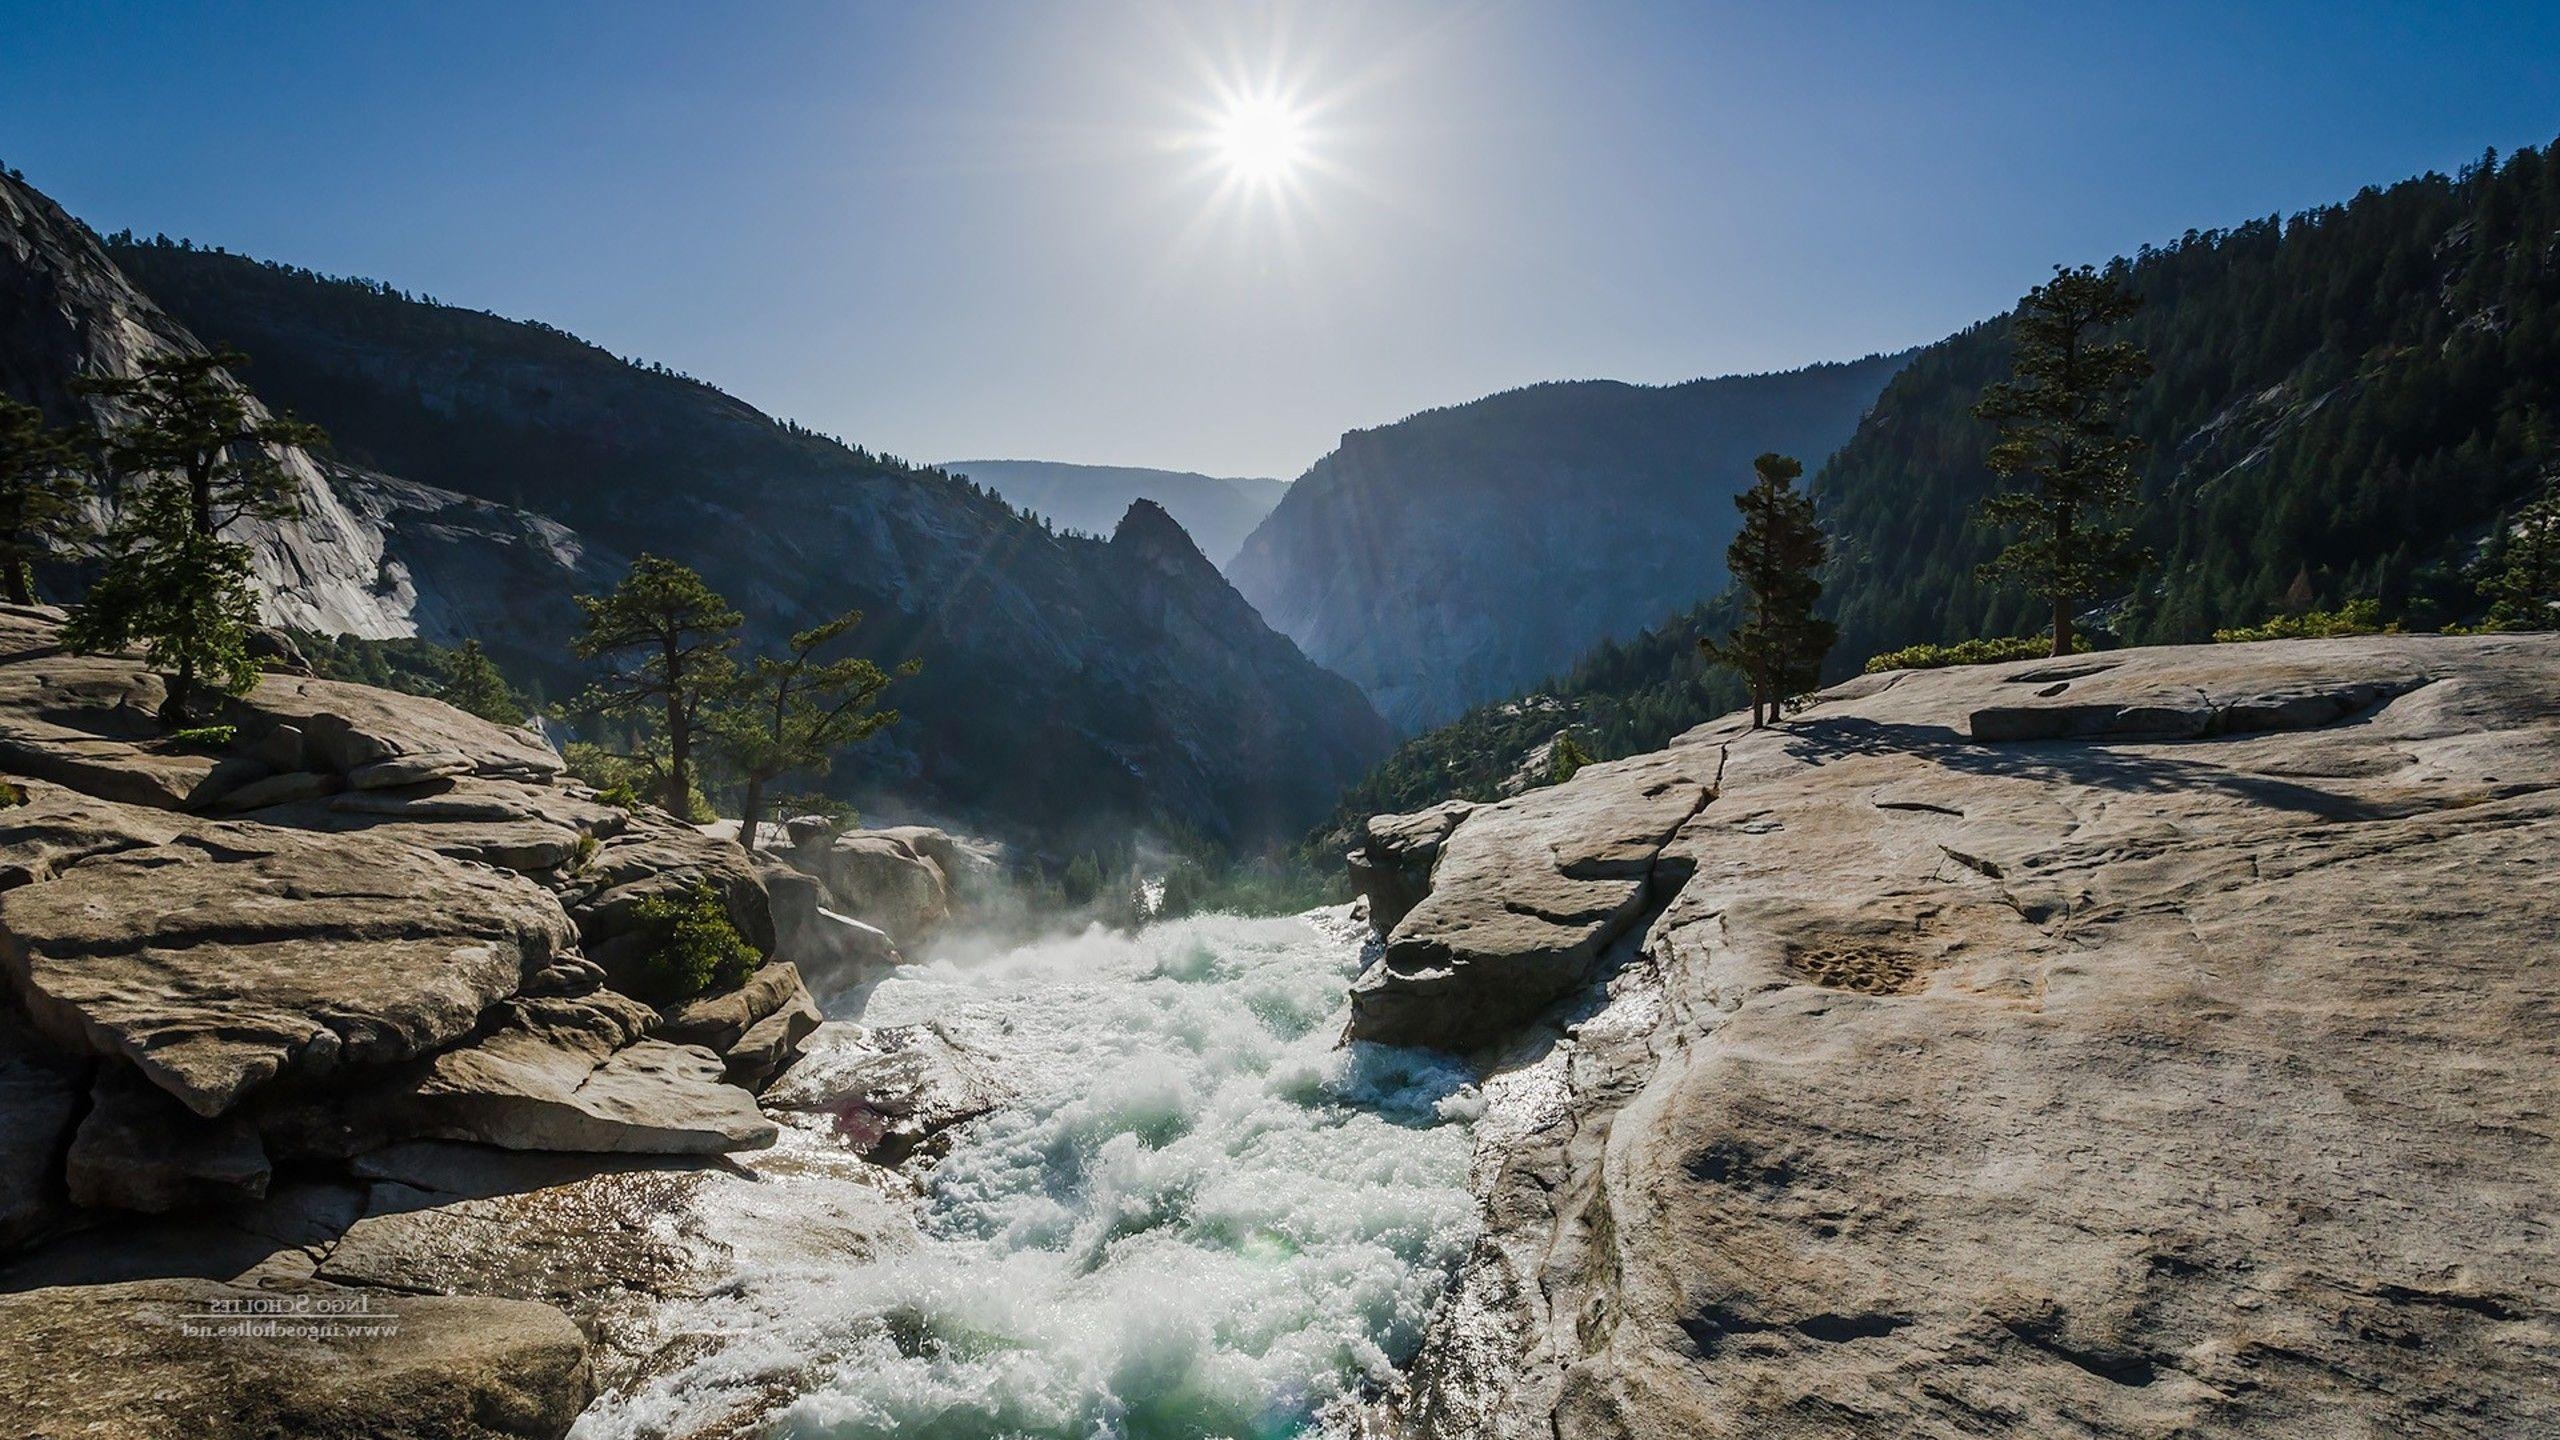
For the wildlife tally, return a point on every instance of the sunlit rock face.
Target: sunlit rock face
(2150, 1043)
(1465, 554)
(72, 313)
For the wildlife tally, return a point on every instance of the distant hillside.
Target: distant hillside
(1463, 553)
(1219, 511)
(2346, 402)
(1069, 683)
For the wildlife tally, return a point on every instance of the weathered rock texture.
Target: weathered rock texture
(156, 1359)
(242, 984)
(2193, 1072)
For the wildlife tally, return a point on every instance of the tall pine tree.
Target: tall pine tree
(2060, 415)
(792, 712)
(665, 638)
(1780, 646)
(194, 458)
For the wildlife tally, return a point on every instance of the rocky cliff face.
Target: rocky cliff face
(1217, 510)
(1068, 681)
(1467, 553)
(2154, 1043)
(71, 312)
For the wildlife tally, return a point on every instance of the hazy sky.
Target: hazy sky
(957, 229)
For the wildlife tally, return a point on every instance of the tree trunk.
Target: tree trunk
(181, 691)
(2061, 601)
(751, 812)
(679, 736)
(21, 583)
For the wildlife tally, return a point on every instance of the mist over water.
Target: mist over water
(1198, 1218)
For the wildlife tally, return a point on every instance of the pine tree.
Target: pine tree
(195, 459)
(665, 638)
(40, 491)
(1779, 647)
(2523, 581)
(793, 712)
(476, 687)
(2059, 418)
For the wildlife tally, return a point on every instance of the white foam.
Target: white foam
(1201, 1218)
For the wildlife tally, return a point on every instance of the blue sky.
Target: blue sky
(1000, 229)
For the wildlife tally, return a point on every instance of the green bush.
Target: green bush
(2356, 617)
(693, 949)
(1567, 757)
(204, 737)
(1970, 652)
(12, 795)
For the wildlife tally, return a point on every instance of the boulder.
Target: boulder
(417, 768)
(893, 1093)
(1391, 866)
(569, 1230)
(574, 1074)
(236, 954)
(755, 1029)
(278, 790)
(347, 728)
(881, 878)
(211, 1361)
(1525, 896)
(139, 1149)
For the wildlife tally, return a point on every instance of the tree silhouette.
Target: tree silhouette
(794, 712)
(665, 638)
(195, 458)
(1779, 647)
(2059, 418)
(40, 490)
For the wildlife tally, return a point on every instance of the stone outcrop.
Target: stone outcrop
(210, 1361)
(251, 981)
(2151, 1044)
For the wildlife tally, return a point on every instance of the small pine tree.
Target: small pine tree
(2522, 581)
(1780, 647)
(793, 712)
(194, 459)
(2058, 417)
(665, 638)
(475, 686)
(40, 492)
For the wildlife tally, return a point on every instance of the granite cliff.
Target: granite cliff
(1466, 553)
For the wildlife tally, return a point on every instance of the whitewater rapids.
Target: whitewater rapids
(1197, 1218)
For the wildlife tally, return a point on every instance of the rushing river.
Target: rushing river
(1198, 1217)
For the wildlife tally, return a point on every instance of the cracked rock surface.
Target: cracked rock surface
(2172, 1055)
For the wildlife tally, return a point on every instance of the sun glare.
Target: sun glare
(1261, 140)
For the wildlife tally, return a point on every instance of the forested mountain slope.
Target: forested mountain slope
(1217, 510)
(2345, 403)
(1462, 553)
(1052, 663)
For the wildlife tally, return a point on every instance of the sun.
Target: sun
(1260, 139)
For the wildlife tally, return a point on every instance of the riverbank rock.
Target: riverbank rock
(209, 1361)
(2155, 1043)
(337, 926)
(1524, 896)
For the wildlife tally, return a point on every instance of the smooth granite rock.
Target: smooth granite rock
(2098, 1084)
(202, 1360)
(239, 953)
